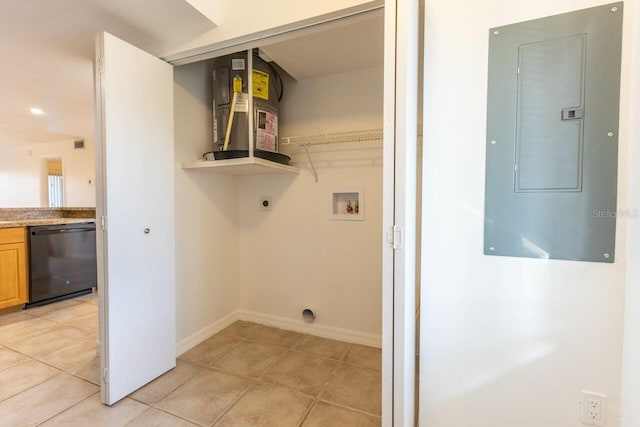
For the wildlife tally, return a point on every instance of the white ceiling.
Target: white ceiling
(347, 45)
(47, 50)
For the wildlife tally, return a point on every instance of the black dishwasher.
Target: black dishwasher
(62, 262)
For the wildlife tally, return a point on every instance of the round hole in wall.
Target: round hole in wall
(308, 315)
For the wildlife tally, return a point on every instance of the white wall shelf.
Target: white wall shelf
(241, 166)
(352, 140)
(337, 141)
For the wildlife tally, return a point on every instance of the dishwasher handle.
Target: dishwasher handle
(62, 230)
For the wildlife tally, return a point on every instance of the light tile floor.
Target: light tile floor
(247, 375)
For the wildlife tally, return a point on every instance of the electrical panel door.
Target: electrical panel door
(549, 115)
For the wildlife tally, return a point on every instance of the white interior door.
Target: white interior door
(135, 199)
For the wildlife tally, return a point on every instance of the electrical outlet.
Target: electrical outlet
(266, 203)
(593, 408)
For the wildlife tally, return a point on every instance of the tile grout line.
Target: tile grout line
(230, 349)
(32, 386)
(210, 365)
(153, 405)
(60, 372)
(251, 386)
(8, 344)
(334, 372)
(350, 408)
(340, 404)
(243, 340)
(224, 371)
(69, 407)
(342, 361)
(212, 369)
(164, 411)
(324, 386)
(70, 325)
(308, 411)
(320, 399)
(82, 379)
(36, 358)
(139, 415)
(20, 362)
(284, 353)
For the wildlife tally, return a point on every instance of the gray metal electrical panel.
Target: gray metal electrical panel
(552, 136)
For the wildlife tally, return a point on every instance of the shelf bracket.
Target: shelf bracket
(313, 168)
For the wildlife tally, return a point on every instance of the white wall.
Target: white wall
(21, 174)
(294, 256)
(504, 341)
(631, 365)
(206, 215)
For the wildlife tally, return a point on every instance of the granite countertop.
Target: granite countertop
(26, 217)
(44, 221)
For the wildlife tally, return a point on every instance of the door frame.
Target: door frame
(399, 212)
(399, 185)
(101, 203)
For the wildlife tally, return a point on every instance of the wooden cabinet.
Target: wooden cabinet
(13, 267)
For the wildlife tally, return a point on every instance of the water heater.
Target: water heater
(231, 104)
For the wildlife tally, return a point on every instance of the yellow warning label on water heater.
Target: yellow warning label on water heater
(260, 84)
(237, 84)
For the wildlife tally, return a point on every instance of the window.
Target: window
(55, 182)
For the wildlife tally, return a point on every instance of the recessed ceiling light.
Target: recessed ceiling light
(36, 111)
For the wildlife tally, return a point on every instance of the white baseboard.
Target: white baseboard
(312, 329)
(197, 337)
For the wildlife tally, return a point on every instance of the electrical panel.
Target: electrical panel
(552, 136)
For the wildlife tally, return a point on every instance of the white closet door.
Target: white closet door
(135, 195)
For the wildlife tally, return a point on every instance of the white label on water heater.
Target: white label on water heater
(237, 64)
(267, 131)
(242, 103)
